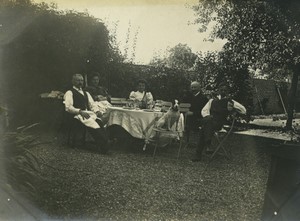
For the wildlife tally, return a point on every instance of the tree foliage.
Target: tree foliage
(262, 34)
(258, 32)
(43, 47)
(179, 57)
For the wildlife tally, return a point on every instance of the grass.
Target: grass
(128, 184)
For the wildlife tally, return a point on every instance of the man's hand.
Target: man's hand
(99, 114)
(85, 115)
(208, 117)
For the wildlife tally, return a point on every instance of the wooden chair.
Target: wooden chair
(165, 106)
(220, 138)
(171, 135)
(118, 102)
(185, 108)
(71, 131)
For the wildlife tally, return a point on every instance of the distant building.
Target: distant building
(270, 96)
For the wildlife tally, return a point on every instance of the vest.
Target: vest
(80, 101)
(219, 109)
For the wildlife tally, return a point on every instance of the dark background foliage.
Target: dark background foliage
(42, 47)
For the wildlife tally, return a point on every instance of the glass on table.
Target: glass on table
(157, 106)
(151, 105)
(129, 103)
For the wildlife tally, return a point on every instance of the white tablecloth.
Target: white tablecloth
(138, 123)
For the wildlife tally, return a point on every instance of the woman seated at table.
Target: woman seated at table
(100, 96)
(98, 93)
(142, 95)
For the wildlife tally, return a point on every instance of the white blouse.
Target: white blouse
(138, 96)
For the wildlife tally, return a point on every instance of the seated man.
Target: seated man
(215, 114)
(197, 101)
(80, 105)
(142, 95)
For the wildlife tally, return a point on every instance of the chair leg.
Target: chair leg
(154, 152)
(220, 146)
(179, 149)
(69, 136)
(157, 137)
(72, 134)
(84, 137)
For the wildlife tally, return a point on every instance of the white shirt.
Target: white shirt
(236, 105)
(136, 95)
(68, 101)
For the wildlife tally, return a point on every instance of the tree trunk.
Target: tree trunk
(292, 97)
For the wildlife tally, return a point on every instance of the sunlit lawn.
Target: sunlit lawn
(128, 184)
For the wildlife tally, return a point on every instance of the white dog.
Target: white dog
(171, 118)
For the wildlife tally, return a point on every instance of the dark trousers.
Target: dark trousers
(192, 125)
(100, 137)
(209, 126)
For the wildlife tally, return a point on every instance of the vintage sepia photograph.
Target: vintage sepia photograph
(179, 110)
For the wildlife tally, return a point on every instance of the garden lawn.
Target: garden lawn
(128, 184)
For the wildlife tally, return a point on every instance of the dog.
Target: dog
(170, 118)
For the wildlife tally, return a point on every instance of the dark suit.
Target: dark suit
(197, 103)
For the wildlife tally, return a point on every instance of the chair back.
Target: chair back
(118, 102)
(184, 107)
(165, 106)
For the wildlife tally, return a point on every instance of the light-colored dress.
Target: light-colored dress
(139, 96)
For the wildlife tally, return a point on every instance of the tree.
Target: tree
(179, 57)
(42, 47)
(259, 33)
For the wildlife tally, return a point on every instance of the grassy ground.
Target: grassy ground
(128, 184)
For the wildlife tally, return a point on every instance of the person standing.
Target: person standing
(197, 101)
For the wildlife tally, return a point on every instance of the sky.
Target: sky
(145, 28)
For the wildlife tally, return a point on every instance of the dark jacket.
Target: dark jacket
(197, 103)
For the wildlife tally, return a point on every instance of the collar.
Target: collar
(78, 89)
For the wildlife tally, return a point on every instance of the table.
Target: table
(138, 123)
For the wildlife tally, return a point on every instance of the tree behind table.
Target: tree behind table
(43, 47)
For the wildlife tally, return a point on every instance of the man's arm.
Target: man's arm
(239, 107)
(68, 101)
(206, 109)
